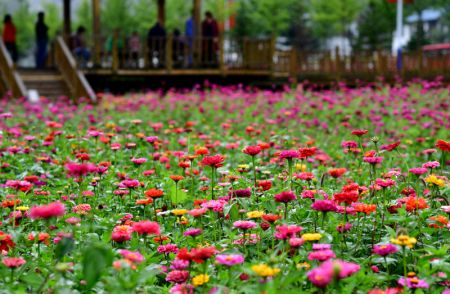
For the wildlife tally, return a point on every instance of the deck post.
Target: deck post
(338, 63)
(67, 21)
(197, 47)
(169, 52)
(271, 60)
(221, 54)
(162, 12)
(293, 66)
(96, 31)
(115, 53)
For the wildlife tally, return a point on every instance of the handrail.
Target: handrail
(75, 79)
(10, 75)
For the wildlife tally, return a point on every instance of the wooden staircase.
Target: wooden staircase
(47, 82)
(64, 80)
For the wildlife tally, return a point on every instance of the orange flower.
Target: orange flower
(365, 208)
(144, 201)
(176, 178)
(415, 203)
(154, 193)
(160, 239)
(438, 221)
(201, 151)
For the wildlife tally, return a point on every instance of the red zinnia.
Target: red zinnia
(443, 145)
(6, 242)
(337, 172)
(285, 197)
(252, 150)
(346, 197)
(214, 161)
(154, 193)
(359, 133)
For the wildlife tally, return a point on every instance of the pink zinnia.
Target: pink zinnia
(13, 262)
(324, 205)
(139, 161)
(287, 231)
(129, 184)
(413, 283)
(373, 160)
(285, 197)
(229, 259)
(193, 232)
(289, 154)
(431, 164)
(177, 276)
(80, 169)
(296, 242)
(321, 255)
(244, 225)
(385, 183)
(54, 209)
(133, 256)
(168, 248)
(121, 233)
(146, 228)
(324, 274)
(418, 170)
(384, 249)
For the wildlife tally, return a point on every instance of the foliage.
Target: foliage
(228, 189)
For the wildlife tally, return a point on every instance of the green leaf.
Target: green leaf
(177, 196)
(63, 247)
(96, 259)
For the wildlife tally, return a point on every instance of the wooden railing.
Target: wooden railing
(67, 66)
(9, 74)
(183, 53)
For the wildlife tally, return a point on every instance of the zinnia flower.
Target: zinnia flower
(13, 262)
(285, 197)
(229, 259)
(213, 161)
(177, 276)
(384, 249)
(146, 227)
(54, 209)
(252, 150)
(244, 225)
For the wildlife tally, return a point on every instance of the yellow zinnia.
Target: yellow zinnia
(200, 280)
(432, 179)
(404, 240)
(22, 208)
(264, 270)
(300, 167)
(311, 236)
(255, 214)
(179, 212)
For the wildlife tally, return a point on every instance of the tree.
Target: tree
(52, 19)
(83, 16)
(333, 17)
(24, 21)
(378, 36)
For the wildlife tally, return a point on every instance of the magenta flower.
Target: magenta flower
(287, 232)
(418, 170)
(78, 170)
(139, 161)
(431, 164)
(296, 242)
(168, 248)
(244, 225)
(385, 183)
(229, 259)
(54, 209)
(289, 154)
(177, 276)
(324, 205)
(179, 264)
(324, 274)
(285, 197)
(413, 283)
(193, 232)
(373, 160)
(321, 255)
(384, 249)
(129, 184)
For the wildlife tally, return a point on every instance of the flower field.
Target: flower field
(228, 190)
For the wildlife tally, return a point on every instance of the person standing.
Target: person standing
(9, 37)
(80, 49)
(156, 42)
(190, 33)
(41, 40)
(134, 46)
(210, 34)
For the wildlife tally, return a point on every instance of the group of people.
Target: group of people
(182, 46)
(9, 38)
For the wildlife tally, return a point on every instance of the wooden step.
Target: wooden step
(48, 82)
